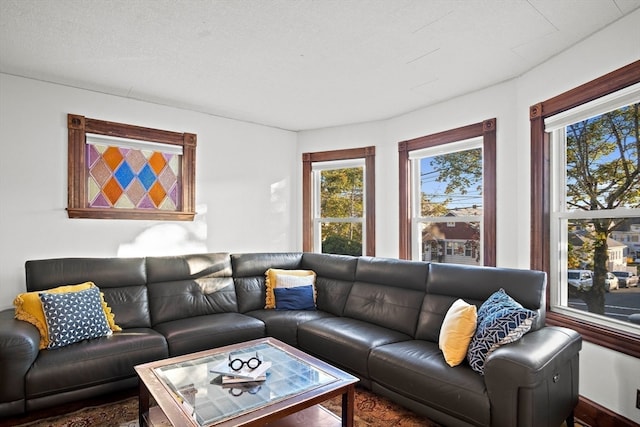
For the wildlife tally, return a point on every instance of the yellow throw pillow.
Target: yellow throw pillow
(271, 282)
(29, 308)
(456, 332)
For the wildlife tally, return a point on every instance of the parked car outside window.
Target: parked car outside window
(626, 279)
(582, 280)
(611, 282)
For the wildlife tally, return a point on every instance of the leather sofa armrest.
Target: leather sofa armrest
(19, 343)
(538, 357)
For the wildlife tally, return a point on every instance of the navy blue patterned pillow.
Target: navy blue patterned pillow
(74, 316)
(501, 320)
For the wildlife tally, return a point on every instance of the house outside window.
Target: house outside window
(586, 194)
(447, 201)
(338, 202)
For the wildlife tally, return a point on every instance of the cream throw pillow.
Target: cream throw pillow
(279, 278)
(456, 332)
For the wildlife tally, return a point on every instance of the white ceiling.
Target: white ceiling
(294, 65)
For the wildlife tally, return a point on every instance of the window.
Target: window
(447, 196)
(585, 200)
(339, 201)
(120, 171)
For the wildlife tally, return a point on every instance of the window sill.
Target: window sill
(613, 339)
(129, 214)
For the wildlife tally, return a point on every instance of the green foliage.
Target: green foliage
(342, 193)
(335, 244)
(462, 173)
(428, 208)
(461, 170)
(573, 259)
(603, 169)
(342, 196)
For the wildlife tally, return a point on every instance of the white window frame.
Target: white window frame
(317, 220)
(415, 157)
(559, 214)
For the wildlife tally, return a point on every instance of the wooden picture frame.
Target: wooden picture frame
(167, 190)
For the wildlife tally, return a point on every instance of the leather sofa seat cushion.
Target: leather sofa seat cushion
(93, 362)
(417, 369)
(344, 341)
(205, 332)
(283, 324)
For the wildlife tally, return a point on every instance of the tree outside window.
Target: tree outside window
(602, 173)
(339, 201)
(341, 210)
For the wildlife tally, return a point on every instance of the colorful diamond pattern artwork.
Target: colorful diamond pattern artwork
(129, 178)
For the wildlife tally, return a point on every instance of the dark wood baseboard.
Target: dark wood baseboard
(590, 413)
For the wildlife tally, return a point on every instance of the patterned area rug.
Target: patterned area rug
(115, 414)
(373, 410)
(370, 411)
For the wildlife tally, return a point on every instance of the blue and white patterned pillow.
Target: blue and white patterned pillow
(501, 320)
(74, 316)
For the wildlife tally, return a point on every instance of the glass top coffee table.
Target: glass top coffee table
(188, 393)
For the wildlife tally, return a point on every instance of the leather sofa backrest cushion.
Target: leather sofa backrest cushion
(190, 285)
(332, 295)
(250, 292)
(474, 284)
(393, 308)
(130, 305)
(393, 272)
(335, 275)
(104, 272)
(249, 275)
(184, 267)
(388, 292)
(432, 313)
(339, 267)
(190, 298)
(117, 278)
(248, 265)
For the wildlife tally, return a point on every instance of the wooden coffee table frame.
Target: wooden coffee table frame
(150, 386)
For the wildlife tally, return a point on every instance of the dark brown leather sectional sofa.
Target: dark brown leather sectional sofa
(377, 318)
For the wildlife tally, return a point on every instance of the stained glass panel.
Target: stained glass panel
(132, 178)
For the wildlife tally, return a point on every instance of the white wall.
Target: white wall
(497, 101)
(245, 185)
(606, 377)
